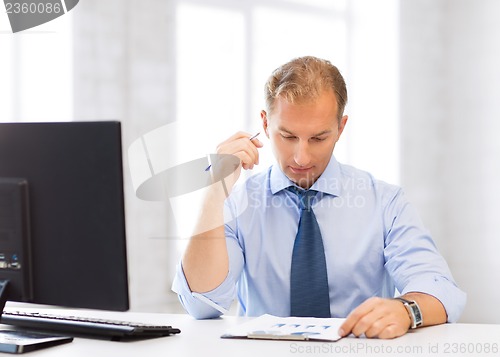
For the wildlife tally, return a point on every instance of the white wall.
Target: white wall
(450, 91)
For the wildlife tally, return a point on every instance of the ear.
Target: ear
(342, 124)
(263, 116)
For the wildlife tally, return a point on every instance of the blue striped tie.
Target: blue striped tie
(308, 278)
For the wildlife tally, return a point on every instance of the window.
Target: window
(226, 50)
(36, 72)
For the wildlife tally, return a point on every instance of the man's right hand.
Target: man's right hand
(232, 154)
(240, 146)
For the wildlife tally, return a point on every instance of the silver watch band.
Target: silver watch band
(413, 311)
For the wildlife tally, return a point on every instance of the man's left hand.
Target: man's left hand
(377, 318)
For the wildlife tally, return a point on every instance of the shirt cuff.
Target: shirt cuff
(207, 305)
(452, 298)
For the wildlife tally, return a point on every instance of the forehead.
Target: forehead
(314, 115)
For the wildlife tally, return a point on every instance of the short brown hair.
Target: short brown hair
(303, 79)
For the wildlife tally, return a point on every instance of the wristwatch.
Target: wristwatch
(413, 310)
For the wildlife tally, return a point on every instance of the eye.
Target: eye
(318, 139)
(288, 137)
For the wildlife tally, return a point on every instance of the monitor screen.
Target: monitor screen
(67, 207)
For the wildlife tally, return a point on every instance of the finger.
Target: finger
(392, 331)
(247, 161)
(356, 315)
(257, 142)
(249, 155)
(243, 135)
(254, 145)
(242, 148)
(365, 323)
(240, 135)
(377, 327)
(235, 145)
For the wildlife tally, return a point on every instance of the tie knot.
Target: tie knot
(305, 197)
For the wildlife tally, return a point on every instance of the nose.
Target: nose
(302, 155)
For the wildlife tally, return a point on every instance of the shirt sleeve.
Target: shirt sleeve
(207, 305)
(216, 302)
(412, 258)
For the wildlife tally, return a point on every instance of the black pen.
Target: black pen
(250, 138)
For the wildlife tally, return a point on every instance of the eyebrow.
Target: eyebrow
(312, 136)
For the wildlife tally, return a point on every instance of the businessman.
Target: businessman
(310, 236)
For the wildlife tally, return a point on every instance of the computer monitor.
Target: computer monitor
(62, 222)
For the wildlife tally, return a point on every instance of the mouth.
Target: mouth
(301, 170)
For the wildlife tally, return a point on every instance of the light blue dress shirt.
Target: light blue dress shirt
(374, 243)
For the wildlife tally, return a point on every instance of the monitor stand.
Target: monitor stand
(3, 294)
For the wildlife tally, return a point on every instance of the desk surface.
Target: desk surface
(202, 337)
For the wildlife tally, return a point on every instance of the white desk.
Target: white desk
(202, 338)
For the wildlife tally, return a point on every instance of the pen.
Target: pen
(253, 136)
(250, 138)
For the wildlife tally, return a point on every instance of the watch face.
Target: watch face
(413, 311)
(416, 314)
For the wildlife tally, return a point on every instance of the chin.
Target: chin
(303, 182)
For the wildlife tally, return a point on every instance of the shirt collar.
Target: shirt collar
(329, 182)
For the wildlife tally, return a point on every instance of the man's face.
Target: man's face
(303, 136)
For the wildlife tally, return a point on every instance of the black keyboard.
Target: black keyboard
(77, 326)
